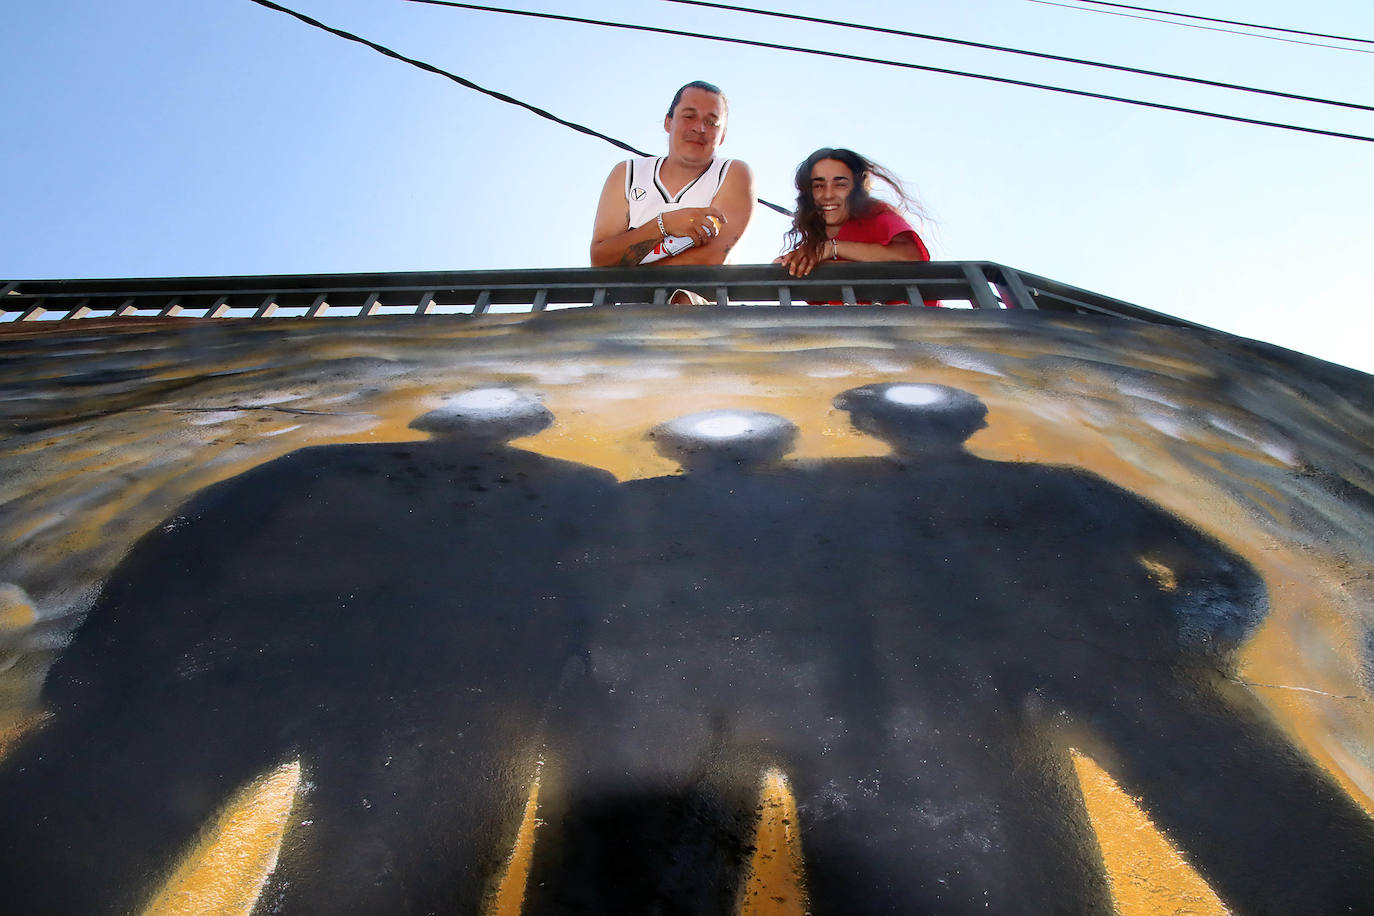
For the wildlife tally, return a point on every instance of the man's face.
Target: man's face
(696, 127)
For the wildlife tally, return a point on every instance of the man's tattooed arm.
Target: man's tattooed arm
(636, 252)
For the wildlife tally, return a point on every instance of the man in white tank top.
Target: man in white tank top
(684, 208)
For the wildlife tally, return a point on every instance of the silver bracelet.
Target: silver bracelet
(834, 249)
(663, 230)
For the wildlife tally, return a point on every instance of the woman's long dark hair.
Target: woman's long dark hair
(808, 223)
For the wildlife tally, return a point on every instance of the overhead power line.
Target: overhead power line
(1248, 25)
(1006, 50)
(895, 63)
(500, 96)
(453, 76)
(1205, 28)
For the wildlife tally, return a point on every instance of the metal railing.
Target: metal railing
(967, 284)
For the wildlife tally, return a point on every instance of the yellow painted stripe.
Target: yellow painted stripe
(226, 870)
(11, 735)
(1148, 876)
(775, 885)
(510, 891)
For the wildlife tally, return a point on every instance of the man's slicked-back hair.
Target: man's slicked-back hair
(699, 84)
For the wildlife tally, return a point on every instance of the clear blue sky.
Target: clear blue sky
(166, 137)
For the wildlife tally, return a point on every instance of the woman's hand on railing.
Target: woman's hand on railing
(801, 261)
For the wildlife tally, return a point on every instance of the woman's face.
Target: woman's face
(831, 184)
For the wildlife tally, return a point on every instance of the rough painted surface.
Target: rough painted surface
(230, 547)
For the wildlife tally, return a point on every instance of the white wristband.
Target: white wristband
(662, 230)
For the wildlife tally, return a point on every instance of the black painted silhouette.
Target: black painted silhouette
(397, 616)
(1049, 608)
(700, 672)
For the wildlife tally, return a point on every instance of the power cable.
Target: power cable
(500, 96)
(1248, 25)
(1205, 28)
(895, 63)
(1006, 50)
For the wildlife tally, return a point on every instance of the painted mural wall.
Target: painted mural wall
(638, 610)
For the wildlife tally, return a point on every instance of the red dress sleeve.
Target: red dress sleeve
(882, 227)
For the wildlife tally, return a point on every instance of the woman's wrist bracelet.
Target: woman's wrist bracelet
(663, 230)
(834, 249)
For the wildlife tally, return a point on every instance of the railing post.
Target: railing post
(33, 312)
(913, 295)
(785, 296)
(266, 308)
(426, 304)
(541, 300)
(220, 308)
(599, 297)
(1013, 290)
(847, 293)
(978, 285)
(370, 306)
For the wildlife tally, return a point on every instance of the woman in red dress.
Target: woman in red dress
(838, 219)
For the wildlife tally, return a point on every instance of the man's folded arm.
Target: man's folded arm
(736, 200)
(615, 245)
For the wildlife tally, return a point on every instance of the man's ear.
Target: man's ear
(667, 119)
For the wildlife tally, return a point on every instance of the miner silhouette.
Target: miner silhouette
(1047, 608)
(398, 617)
(701, 673)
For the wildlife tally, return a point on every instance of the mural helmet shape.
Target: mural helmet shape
(913, 416)
(718, 438)
(485, 414)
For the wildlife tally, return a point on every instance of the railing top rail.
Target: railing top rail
(980, 284)
(587, 277)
